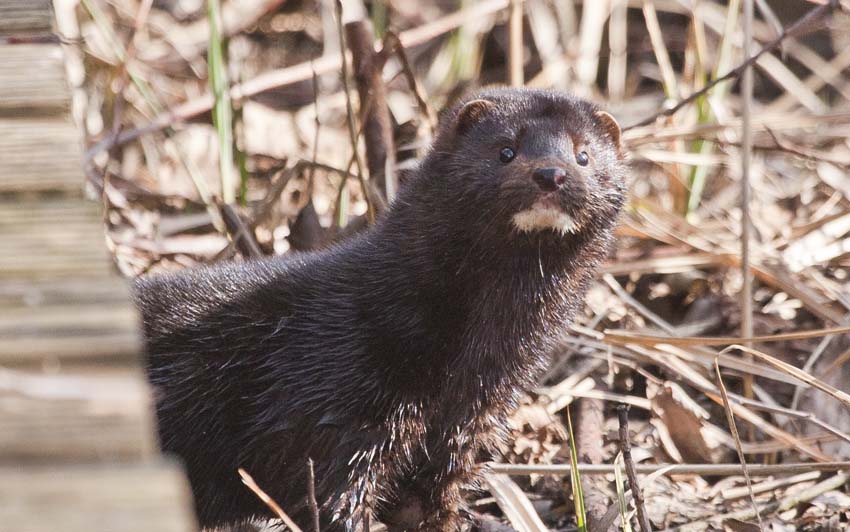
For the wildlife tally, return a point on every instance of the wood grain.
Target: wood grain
(32, 77)
(67, 418)
(63, 320)
(42, 237)
(95, 498)
(25, 16)
(40, 154)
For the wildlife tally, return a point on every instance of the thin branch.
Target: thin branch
(315, 137)
(626, 449)
(515, 44)
(367, 72)
(623, 337)
(394, 44)
(756, 470)
(746, 295)
(349, 113)
(730, 418)
(786, 147)
(802, 25)
(240, 233)
(795, 372)
(311, 494)
(248, 480)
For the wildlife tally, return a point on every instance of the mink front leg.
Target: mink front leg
(431, 499)
(427, 506)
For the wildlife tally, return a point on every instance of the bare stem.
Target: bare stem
(515, 45)
(311, 494)
(626, 449)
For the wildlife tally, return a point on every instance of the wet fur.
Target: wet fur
(392, 359)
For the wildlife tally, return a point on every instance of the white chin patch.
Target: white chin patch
(541, 217)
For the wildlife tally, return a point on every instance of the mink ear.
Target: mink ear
(471, 113)
(611, 127)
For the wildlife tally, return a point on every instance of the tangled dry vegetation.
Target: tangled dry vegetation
(660, 326)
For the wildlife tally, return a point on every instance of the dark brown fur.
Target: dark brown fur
(393, 359)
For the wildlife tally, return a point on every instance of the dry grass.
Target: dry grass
(670, 295)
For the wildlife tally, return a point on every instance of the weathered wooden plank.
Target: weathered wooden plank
(21, 322)
(39, 154)
(52, 237)
(32, 77)
(67, 418)
(97, 344)
(25, 16)
(60, 299)
(67, 319)
(37, 209)
(107, 498)
(14, 293)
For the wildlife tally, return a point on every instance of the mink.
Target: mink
(394, 358)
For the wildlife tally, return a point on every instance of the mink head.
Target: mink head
(532, 162)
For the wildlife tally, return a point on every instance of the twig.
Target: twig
(626, 449)
(393, 43)
(795, 372)
(349, 112)
(265, 206)
(615, 510)
(377, 128)
(311, 494)
(786, 147)
(809, 365)
(753, 448)
(248, 480)
(746, 295)
(781, 146)
(622, 338)
(364, 107)
(239, 232)
(730, 418)
(769, 485)
(756, 470)
(837, 363)
(637, 305)
(797, 28)
(515, 44)
(772, 430)
(662, 56)
(316, 136)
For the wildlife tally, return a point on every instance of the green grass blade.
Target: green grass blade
(222, 109)
(699, 174)
(625, 522)
(575, 480)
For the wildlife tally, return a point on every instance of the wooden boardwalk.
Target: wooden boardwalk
(78, 450)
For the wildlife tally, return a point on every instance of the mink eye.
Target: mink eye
(507, 155)
(582, 158)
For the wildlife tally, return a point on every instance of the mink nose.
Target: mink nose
(549, 179)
